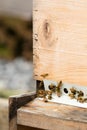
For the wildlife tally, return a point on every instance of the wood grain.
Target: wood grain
(60, 40)
(52, 116)
(16, 102)
(20, 127)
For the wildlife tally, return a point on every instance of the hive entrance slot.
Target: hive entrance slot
(64, 93)
(66, 90)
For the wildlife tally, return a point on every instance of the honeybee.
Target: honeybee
(58, 89)
(52, 87)
(71, 95)
(80, 94)
(85, 99)
(81, 100)
(41, 93)
(73, 90)
(44, 75)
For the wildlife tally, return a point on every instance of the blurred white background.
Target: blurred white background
(21, 8)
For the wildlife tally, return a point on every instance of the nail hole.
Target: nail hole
(65, 90)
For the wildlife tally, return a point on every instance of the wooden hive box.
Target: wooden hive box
(60, 41)
(60, 53)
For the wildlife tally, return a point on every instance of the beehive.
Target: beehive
(60, 41)
(59, 52)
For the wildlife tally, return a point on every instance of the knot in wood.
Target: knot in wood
(47, 29)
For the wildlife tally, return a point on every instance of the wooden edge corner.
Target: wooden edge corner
(16, 102)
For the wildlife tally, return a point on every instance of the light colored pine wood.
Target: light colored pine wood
(52, 116)
(60, 40)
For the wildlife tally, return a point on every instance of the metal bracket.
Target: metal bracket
(66, 94)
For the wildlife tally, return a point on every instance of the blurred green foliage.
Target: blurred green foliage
(4, 51)
(5, 93)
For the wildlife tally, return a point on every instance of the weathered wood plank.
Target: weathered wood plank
(60, 41)
(52, 116)
(20, 127)
(16, 102)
